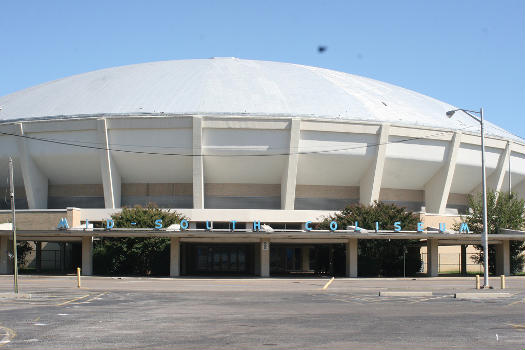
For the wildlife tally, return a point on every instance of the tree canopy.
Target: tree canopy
(504, 210)
(381, 257)
(136, 256)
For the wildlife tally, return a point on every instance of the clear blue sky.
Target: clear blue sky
(468, 53)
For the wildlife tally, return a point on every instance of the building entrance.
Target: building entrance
(307, 259)
(220, 259)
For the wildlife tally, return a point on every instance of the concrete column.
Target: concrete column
(265, 257)
(437, 189)
(351, 258)
(87, 256)
(463, 269)
(432, 258)
(175, 257)
(370, 184)
(198, 166)
(4, 258)
(503, 258)
(111, 180)
(35, 181)
(289, 179)
(305, 255)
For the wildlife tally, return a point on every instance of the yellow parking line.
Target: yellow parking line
(72, 300)
(518, 326)
(328, 283)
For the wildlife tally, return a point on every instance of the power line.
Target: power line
(80, 145)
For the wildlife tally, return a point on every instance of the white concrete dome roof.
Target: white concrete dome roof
(225, 86)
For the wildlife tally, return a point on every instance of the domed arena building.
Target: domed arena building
(228, 139)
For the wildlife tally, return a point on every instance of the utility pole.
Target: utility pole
(12, 194)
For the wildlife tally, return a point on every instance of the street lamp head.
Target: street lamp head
(450, 113)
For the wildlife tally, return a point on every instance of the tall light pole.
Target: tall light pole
(12, 195)
(484, 237)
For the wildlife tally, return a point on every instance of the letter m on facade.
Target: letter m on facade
(464, 228)
(63, 224)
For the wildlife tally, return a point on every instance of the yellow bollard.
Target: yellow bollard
(502, 281)
(78, 277)
(477, 281)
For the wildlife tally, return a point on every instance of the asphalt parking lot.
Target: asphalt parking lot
(146, 313)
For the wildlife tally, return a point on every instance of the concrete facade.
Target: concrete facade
(233, 164)
(280, 143)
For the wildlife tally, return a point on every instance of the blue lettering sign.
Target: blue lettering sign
(209, 225)
(307, 226)
(333, 225)
(357, 229)
(420, 227)
(63, 224)
(397, 226)
(158, 223)
(110, 224)
(442, 227)
(233, 225)
(184, 224)
(256, 225)
(464, 228)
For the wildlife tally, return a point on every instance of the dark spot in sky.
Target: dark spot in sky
(359, 56)
(321, 49)
(384, 103)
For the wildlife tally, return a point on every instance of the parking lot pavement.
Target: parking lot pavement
(142, 313)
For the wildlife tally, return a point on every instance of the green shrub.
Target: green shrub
(135, 256)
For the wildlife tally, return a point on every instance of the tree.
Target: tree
(23, 249)
(381, 257)
(136, 256)
(504, 210)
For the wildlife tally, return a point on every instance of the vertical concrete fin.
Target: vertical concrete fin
(198, 166)
(370, 184)
(289, 179)
(111, 181)
(437, 189)
(495, 180)
(35, 181)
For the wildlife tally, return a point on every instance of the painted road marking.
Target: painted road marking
(328, 283)
(516, 302)
(8, 335)
(95, 297)
(72, 300)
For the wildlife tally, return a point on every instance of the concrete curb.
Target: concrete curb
(15, 296)
(405, 294)
(481, 295)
